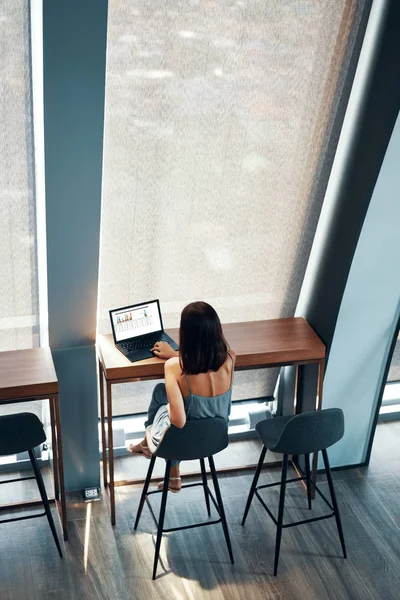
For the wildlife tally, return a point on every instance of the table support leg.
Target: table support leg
(103, 424)
(318, 406)
(298, 390)
(54, 449)
(60, 467)
(321, 368)
(298, 408)
(110, 454)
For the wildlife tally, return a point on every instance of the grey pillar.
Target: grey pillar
(74, 57)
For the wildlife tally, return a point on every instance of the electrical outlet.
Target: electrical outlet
(90, 494)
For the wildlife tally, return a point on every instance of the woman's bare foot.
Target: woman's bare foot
(175, 483)
(140, 448)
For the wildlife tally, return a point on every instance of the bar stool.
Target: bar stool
(299, 435)
(22, 433)
(198, 439)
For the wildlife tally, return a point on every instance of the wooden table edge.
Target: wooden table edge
(21, 393)
(121, 374)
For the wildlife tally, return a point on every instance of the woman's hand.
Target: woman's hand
(163, 350)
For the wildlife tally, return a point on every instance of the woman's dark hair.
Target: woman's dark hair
(202, 345)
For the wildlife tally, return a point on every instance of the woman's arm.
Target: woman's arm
(177, 415)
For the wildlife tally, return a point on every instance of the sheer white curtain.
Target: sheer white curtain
(19, 308)
(216, 113)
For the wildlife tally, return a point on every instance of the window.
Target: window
(394, 371)
(217, 117)
(390, 407)
(19, 287)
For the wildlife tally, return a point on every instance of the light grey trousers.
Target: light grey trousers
(159, 398)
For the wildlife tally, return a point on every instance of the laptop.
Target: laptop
(137, 328)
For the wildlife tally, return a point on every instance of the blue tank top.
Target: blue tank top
(200, 407)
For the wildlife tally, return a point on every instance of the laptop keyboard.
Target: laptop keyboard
(140, 344)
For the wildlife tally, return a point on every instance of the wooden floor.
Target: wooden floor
(116, 563)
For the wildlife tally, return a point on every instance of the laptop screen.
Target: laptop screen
(132, 321)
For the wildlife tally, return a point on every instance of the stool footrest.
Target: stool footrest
(185, 485)
(22, 518)
(304, 478)
(17, 479)
(202, 524)
(321, 518)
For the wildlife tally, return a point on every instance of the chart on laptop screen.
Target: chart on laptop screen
(139, 320)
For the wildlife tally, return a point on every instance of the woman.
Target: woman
(198, 380)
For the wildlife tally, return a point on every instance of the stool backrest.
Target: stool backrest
(311, 431)
(20, 432)
(199, 438)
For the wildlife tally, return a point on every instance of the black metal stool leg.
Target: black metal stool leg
(162, 516)
(254, 484)
(334, 501)
(307, 461)
(204, 478)
(43, 494)
(280, 513)
(144, 491)
(220, 506)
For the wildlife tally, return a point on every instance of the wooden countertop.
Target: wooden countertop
(27, 373)
(274, 342)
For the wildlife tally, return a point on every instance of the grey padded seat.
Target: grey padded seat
(302, 434)
(198, 439)
(19, 432)
(270, 430)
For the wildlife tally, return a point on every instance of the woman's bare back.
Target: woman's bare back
(213, 383)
